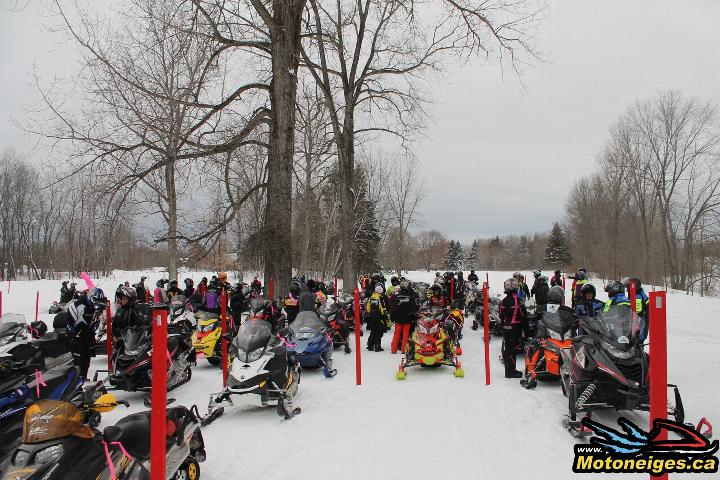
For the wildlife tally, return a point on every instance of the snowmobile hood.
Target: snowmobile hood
(134, 337)
(616, 330)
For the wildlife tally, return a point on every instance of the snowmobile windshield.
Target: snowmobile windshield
(309, 321)
(556, 322)
(178, 301)
(134, 338)
(328, 309)
(11, 329)
(253, 336)
(617, 327)
(258, 306)
(47, 420)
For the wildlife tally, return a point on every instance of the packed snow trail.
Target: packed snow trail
(431, 424)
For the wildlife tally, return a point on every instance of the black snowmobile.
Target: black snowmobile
(494, 314)
(132, 358)
(57, 445)
(607, 367)
(261, 365)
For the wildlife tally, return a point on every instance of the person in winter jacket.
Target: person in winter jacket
(641, 305)
(459, 289)
(189, 290)
(588, 305)
(523, 292)
(579, 279)
(376, 308)
(540, 290)
(79, 331)
(438, 280)
(513, 316)
(202, 286)
(556, 279)
(291, 302)
(394, 284)
(237, 305)
(140, 289)
(256, 285)
(160, 294)
(473, 277)
(173, 289)
(437, 298)
(403, 312)
(127, 315)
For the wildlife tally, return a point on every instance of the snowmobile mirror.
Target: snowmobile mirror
(112, 434)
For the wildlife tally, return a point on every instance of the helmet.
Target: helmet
(558, 272)
(37, 329)
(581, 275)
(588, 287)
(436, 288)
(294, 288)
(189, 282)
(65, 282)
(127, 292)
(582, 269)
(72, 284)
(142, 279)
(311, 285)
(160, 283)
(394, 281)
(437, 274)
(638, 284)
(97, 297)
(517, 275)
(404, 284)
(556, 295)
(378, 289)
(173, 283)
(615, 288)
(472, 271)
(511, 285)
(537, 273)
(222, 276)
(543, 280)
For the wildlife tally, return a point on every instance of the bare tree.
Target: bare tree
(405, 192)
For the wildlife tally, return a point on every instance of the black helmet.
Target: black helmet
(556, 295)
(437, 274)
(142, 279)
(311, 285)
(615, 288)
(581, 275)
(189, 282)
(511, 285)
(127, 292)
(537, 273)
(588, 287)
(558, 272)
(394, 281)
(472, 271)
(173, 284)
(65, 282)
(37, 329)
(294, 288)
(160, 283)
(97, 297)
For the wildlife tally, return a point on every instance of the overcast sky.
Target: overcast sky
(498, 157)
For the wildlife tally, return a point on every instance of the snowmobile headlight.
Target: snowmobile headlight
(135, 351)
(254, 355)
(617, 352)
(21, 457)
(305, 335)
(49, 454)
(206, 328)
(554, 335)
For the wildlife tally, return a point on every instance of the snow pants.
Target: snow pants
(511, 338)
(402, 330)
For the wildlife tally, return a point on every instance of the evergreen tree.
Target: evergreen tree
(557, 252)
(495, 252)
(459, 256)
(472, 258)
(453, 256)
(522, 253)
(367, 233)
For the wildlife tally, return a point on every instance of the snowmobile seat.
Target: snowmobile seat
(60, 320)
(135, 428)
(52, 344)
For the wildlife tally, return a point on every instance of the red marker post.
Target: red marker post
(158, 414)
(223, 320)
(658, 362)
(271, 288)
(358, 360)
(109, 339)
(37, 304)
(486, 329)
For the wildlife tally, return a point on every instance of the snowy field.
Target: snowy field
(431, 425)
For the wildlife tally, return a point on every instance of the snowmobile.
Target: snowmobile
(58, 445)
(132, 359)
(29, 372)
(261, 365)
(334, 315)
(14, 331)
(422, 290)
(181, 312)
(312, 343)
(494, 314)
(542, 354)
(607, 367)
(206, 339)
(57, 307)
(473, 294)
(430, 345)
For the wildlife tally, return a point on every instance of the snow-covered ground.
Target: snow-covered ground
(431, 425)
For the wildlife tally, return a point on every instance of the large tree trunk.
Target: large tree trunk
(347, 200)
(285, 45)
(172, 220)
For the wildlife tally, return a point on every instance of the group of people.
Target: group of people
(551, 297)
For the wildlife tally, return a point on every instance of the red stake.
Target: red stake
(37, 304)
(486, 330)
(271, 288)
(358, 360)
(563, 281)
(147, 296)
(223, 320)
(158, 415)
(109, 342)
(658, 362)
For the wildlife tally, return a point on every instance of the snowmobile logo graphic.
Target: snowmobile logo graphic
(633, 450)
